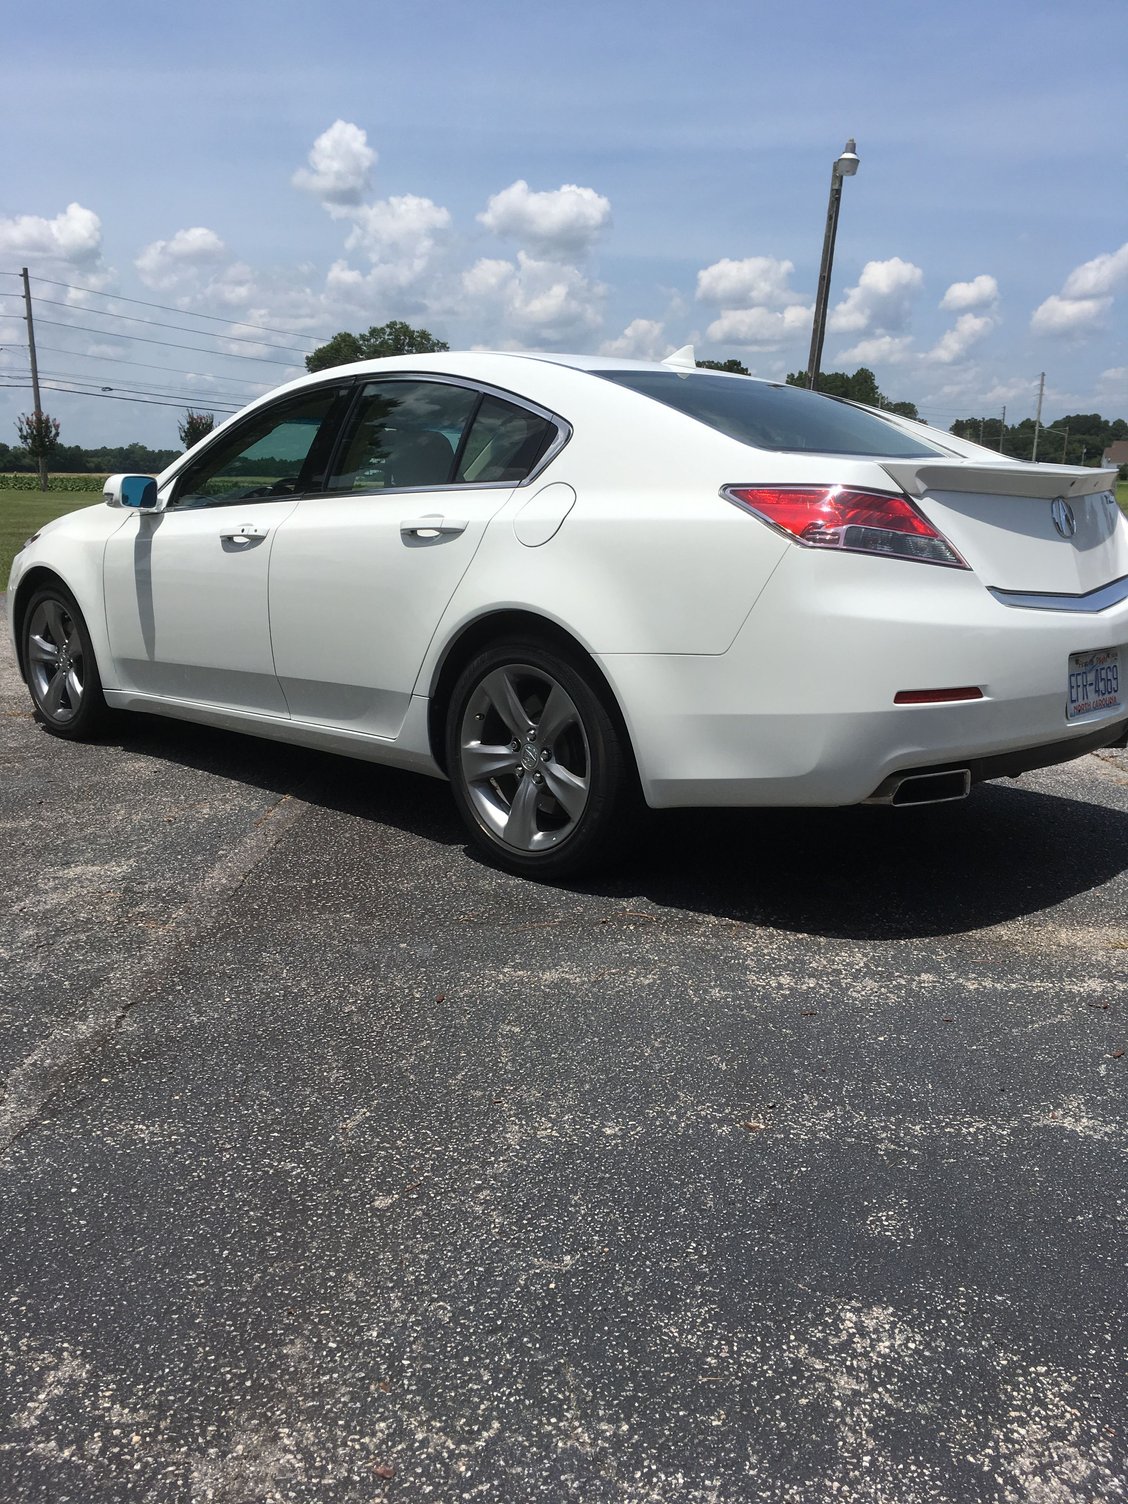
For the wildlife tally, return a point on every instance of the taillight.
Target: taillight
(860, 522)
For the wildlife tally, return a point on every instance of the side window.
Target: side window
(505, 443)
(403, 433)
(280, 451)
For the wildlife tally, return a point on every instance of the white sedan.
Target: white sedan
(559, 581)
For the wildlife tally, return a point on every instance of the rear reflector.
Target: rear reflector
(936, 696)
(838, 517)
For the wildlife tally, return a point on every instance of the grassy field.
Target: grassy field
(21, 512)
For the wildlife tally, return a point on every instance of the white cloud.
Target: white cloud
(757, 280)
(881, 301)
(760, 327)
(883, 348)
(534, 302)
(1115, 382)
(397, 233)
(340, 166)
(1099, 277)
(74, 236)
(968, 330)
(561, 223)
(1017, 389)
(980, 292)
(166, 263)
(1085, 298)
(642, 339)
(1059, 315)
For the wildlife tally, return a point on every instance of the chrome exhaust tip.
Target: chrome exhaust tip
(901, 789)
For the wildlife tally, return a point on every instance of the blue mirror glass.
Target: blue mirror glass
(138, 491)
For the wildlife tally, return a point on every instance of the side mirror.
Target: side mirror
(136, 491)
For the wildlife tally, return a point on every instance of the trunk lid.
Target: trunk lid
(1012, 522)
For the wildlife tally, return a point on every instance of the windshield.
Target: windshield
(773, 417)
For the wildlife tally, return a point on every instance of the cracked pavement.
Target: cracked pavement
(786, 1162)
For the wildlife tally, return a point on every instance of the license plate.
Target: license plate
(1094, 682)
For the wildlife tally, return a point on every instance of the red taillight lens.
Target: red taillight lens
(865, 522)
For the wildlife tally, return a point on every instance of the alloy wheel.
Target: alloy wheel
(56, 661)
(525, 761)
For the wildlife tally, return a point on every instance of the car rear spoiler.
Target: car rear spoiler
(1043, 481)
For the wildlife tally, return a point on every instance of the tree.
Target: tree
(39, 434)
(860, 387)
(725, 365)
(196, 426)
(394, 338)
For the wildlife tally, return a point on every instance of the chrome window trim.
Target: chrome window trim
(563, 430)
(1112, 594)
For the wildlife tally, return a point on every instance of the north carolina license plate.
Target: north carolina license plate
(1094, 682)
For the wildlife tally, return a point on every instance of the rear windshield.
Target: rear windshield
(772, 417)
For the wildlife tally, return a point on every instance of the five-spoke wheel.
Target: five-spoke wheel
(59, 662)
(535, 759)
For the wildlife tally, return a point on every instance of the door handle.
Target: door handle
(431, 527)
(245, 534)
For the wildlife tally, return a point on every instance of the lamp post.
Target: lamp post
(845, 167)
(1065, 440)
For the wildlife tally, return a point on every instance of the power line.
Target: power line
(142, 339)
(168, 308)
(25, 386)
(133, 318)
(120, 360)
(146, 391)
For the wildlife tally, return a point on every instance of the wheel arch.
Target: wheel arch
(37, 576)
(478, 634)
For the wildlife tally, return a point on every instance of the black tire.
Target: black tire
(60, 667)
(537, 764)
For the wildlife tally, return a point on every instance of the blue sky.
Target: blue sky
(624, 176)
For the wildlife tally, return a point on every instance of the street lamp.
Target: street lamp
(1064, 442)
(845, 167)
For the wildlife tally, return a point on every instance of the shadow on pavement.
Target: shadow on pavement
(857, 873)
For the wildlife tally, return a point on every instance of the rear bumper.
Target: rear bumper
(800, 710)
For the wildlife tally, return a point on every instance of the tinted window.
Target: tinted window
(403, 433)
(275, 453)
(505, 442)
(772, 417)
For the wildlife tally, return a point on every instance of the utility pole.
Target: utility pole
(1038, 415)
(1002, 427)
(34, 369)
(1065, 447)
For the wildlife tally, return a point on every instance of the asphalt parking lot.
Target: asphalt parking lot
(787, 1162)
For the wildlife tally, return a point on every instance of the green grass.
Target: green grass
(21, 512)
(1122, 495)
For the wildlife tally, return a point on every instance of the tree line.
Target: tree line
(1074, 439)
(73, 459)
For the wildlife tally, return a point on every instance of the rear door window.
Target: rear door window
(403, 434)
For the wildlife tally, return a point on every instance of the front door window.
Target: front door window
(281, 451)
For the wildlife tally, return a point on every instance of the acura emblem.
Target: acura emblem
(1064, 520)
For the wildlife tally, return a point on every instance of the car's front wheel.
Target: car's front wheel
(537, 764)
(59, 663)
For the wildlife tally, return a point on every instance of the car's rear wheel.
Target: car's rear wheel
(537, 764)
(60, 667)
